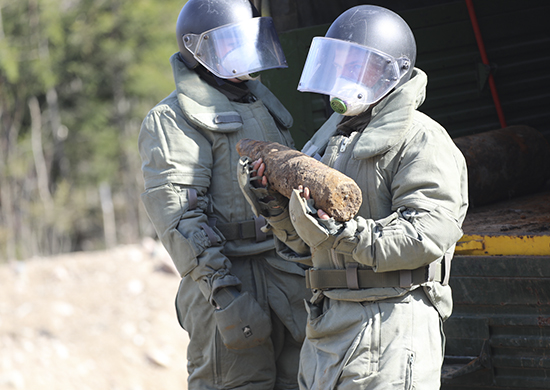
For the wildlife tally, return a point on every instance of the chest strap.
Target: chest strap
(244, 230)
(354, 278)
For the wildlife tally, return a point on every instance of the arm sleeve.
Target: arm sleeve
(176, 164)
(429, 198)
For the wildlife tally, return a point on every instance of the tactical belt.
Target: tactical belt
(233, 230)
(354, 278)
(244, 230)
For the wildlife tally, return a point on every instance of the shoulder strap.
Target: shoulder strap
(320, 139)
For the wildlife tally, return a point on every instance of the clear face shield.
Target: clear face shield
(238, 50)
(354, 76)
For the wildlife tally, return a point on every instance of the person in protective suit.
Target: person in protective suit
(240, 302)
(380, 280)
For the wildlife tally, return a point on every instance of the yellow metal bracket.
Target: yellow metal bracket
(503, 245)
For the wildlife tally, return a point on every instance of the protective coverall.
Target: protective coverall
(189, 163)
(375, 318)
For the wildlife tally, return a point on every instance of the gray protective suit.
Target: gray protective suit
(376, 325)
(187, 144)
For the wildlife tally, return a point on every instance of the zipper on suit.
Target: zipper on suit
(338, 162)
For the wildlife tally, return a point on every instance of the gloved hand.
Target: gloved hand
(316, 232)
(241, 321)
(253, 184)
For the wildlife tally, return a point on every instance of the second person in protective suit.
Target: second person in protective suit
(380, 280)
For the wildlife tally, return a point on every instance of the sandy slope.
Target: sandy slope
(93, 320)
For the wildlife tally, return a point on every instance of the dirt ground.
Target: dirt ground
(526, 215)
(92, 320)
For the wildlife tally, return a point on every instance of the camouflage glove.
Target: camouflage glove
(241, 321)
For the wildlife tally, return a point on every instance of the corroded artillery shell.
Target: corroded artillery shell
(335, 193)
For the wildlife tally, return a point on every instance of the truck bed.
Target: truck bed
(519, 226)
(498, 336)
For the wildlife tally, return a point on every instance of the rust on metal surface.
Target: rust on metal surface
(335, 193)
(505, 163)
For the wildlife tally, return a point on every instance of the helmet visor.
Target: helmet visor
(238, 49)
(350, 71)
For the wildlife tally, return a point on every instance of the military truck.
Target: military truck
(489, 86)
